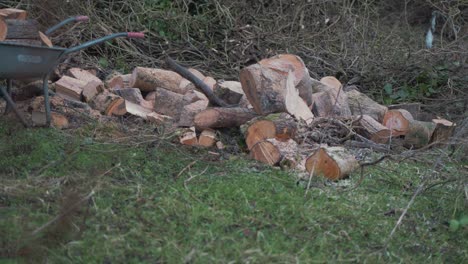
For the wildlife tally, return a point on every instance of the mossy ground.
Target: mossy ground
(145, 208)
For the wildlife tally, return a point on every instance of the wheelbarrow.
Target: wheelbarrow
(20, 61)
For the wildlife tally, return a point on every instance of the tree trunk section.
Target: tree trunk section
(373, 130)
(148, 79)
(109, 104)
(168, 103)
(397, 121)
(333, 163)
(207, 138)
(223, 117)
(229, 91)
(13, 13)
(361, 104)
(70, 88)
(22, 29)
(443, 131)
(189, 112)
(419, 133)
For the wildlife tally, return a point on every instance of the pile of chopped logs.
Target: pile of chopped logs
(17, 29)
(287, 118)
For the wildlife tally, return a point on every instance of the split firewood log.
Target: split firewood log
(193, 95)
(229, 91)
(90, 90)
(20, 29)
(332, 82)
(329, 98)
(333, 163)
(109, 104)
(373, 130)
(271, 92)
(415, 109)
(211, 82)
(189, 111)
(207, 138)
(134, 95)
(220, 117)
(83, 75)
(419, 133)
(280, 126)
(397, 121)
(283, 64)
(157, 119)
(443, 131)
(273, 152)
(70, 88)
(148, 79)
(118, 81)
(168, 103)
(189, 137)
(13, 13)
(137, 109)
(361, 104)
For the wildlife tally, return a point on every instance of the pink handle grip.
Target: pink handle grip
(139, 35)
(82, 19)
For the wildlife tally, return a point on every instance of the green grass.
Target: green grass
(219, 210)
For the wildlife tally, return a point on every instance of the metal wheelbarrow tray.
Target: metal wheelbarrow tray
(19, 61)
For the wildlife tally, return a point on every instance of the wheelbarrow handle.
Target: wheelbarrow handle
(66, 21)
(88, 44)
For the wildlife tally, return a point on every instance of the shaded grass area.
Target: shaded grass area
(153, 202)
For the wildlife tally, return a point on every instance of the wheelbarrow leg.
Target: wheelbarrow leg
(9, 85)
(45, 85)
(12, 105)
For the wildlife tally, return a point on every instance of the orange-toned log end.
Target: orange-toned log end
(207, 138)
(266, 152)
(259, 131)
(332, 82)
(116, 107)
(333, 163)
(373, 130)
(189, 137)
(397, 121)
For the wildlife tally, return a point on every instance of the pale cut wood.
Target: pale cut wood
(443, 131)
(186, 85)
(318, 87)
(211, 82)
(295, 105)
(415, 109)
(134, 95)
(197, 73)
(119, 81)
(189, 137)
(70, 88)
(45, 39)
(223, 117)
(189, 112)
(288, 149)
(169, 103)
(332, 82)
(397, 121)
(148, 79)
(22, 29)
(373, 130)
(193, 95)
(266, 152)
(207, 138)
(361, 104)
(137, 110)
(85, 76)
(57, 120)
(283, 64)
(229, 91)
(333, 163)
(157, 119)
(150, 96)
(13, 13)
(419, 133)
(90, 90)
(109, 104)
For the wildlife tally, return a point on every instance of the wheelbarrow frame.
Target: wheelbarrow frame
(35, 62)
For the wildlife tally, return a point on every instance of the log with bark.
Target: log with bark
(20, 29)
(168, 103)
(221, 117)
(415, 109)
(70, 88)
(134, 95)
(333, 163)
(45, 40)
(149, 79)
(373, 130)
(361, 104)
(84, 75)
(207, 138)
(271, 92)
(157, 119)
(13, 13)
(189, 112)
(109, 104)
(285, 63)
(419, 134)
(443, 131)
(280, 126)
(189, 137)
(273, 152)
(118, 81)
(397, 121)
(229, 91)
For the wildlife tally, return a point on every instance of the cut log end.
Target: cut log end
(333, 163)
